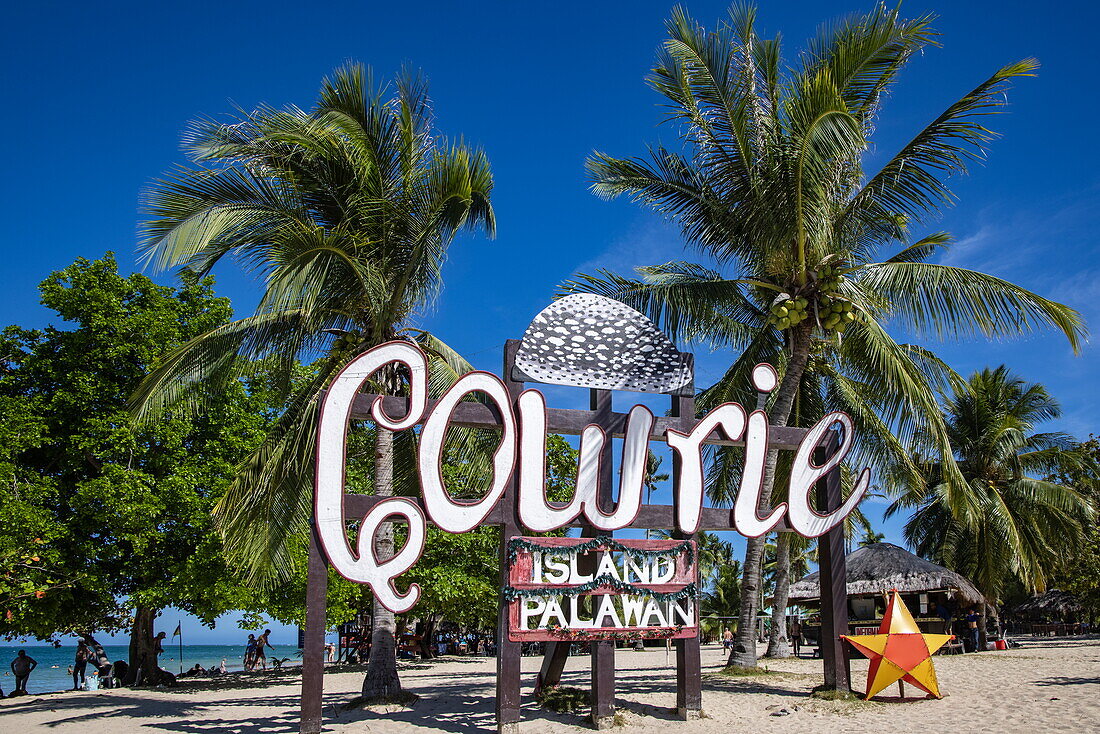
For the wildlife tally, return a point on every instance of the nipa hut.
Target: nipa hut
(935, 595)
(1054, 612)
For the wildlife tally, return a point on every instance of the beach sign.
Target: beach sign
(521, 456)
(596, 589)
(633, 589)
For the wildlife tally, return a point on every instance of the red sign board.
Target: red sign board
(625, 589)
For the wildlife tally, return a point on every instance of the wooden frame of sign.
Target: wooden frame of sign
(505, 513)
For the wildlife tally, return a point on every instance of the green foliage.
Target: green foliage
(1079, 572)
(564, 699)
(1003, 522)
(459, 576)
(346, 210)
(720, 604)
(772, 185)
(98, 515)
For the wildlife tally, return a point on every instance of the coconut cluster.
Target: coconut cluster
(787, 311)
(836, 313)
(833, 311)
(346, 341)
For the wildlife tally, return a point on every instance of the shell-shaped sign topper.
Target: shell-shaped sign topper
(587, 340)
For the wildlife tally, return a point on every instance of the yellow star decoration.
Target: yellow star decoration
(900, 651)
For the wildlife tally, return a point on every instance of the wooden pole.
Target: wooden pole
(689, 693)
(833, 578)
(603, 652)
(313, 663)
(508, 652)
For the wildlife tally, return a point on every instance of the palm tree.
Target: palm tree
(819, 255)
(1003, 523)
(346, 211)
(870, 537)
(653, 477)
(721, 599)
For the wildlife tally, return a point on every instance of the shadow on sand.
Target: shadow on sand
(458, 705)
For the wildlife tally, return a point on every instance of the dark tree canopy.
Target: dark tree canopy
(100, 517)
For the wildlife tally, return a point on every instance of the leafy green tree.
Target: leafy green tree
(1079, 574)
(115, 518)
(814, 254)
(870, 537)
(1004, 521)
(346, 210)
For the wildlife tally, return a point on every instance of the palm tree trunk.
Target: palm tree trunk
(744, 646)
(382, 680)
(777, 639)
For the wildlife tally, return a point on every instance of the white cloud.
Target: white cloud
(649, 241)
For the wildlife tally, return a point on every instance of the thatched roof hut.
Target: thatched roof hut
(1054, 604)
(878, 568)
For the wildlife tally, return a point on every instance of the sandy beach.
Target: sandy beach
(1047, 685)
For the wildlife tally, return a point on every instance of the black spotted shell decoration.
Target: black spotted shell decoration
(587, 340)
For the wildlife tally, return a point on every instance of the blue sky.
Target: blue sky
(97, 96)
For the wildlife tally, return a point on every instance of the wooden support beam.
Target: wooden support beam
(313, 665)
(603, 652)
(833, 578)
(554, 657)
(649, 516)
(689, 692)
(508, 652)
(567, 422)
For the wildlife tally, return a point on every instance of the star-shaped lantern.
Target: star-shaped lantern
(900, 651)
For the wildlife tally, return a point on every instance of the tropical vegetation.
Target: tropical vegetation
(345, 211)
(811, 254)
(108, 522)
(1008, 520)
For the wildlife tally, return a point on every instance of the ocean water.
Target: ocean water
(53, 663)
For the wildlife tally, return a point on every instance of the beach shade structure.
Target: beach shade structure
(900, 652)
(1053, 604)
(881, 568)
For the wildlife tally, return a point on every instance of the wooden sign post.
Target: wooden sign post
(516, 502)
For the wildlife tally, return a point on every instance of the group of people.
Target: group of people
(457, 643)
(794, 636)
(23, 665)
(197, 671)
(105, 674)
(255, 651)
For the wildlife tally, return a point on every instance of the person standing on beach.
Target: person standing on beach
(261, 643)
(972, 618)
(250, 653)
(727, 640)
(158, 648)
(21, 668)
(79, 666)
(796, 636)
